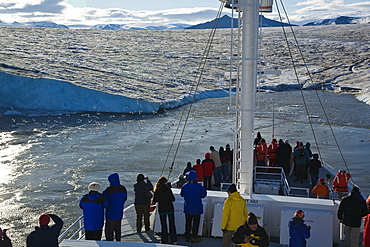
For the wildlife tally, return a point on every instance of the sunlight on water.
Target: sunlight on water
(8, 154)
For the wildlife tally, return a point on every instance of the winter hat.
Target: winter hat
(252, 219)
(232, 188)
(301, 144)
(192, 176)
(207, 155)
(94, 186)
(321, 180)
(299, 214)
(44, 219)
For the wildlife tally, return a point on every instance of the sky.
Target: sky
(86, 13)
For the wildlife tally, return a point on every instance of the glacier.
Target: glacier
(43, 94)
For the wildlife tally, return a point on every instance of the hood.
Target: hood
(192, 176)
(114, 179)
(236, 196)
(207, 155)
(294, 222)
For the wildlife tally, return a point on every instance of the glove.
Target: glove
(223, 230)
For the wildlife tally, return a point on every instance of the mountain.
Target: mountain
(48, 24)
(125, 27)
(340, 21)
(225, 22)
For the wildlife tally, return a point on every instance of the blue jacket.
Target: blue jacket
(46, 236)
(298, 232)
(93, 205)
(193, 194)
(117, 196)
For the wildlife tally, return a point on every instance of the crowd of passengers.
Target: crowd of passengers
(239, 227)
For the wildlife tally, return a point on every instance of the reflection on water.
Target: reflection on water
(9, 150)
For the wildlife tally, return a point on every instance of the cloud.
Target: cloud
(60, 12)
(23, 6)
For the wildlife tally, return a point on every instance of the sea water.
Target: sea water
(47, 162)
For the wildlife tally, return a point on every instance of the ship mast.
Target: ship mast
(249, 56)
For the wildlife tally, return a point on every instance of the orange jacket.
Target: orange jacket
(271, 150)
(340, 182)
(261, 151)
(322, 190)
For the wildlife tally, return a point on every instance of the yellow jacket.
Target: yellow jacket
(235, 212)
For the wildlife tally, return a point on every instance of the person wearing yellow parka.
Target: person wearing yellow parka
(234, 214)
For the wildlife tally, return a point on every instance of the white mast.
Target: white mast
(249, 58)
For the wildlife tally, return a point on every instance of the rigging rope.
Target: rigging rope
(310, 79)
(185, 114)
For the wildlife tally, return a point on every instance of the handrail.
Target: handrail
(61, 236)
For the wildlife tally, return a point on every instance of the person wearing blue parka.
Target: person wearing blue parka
(298, 230)
(117, 196)
(193, 206)
(93, 205)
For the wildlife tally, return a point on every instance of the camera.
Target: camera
(253, 241)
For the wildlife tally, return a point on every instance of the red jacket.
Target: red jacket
(261, 151)
(208, 165)
(271, 150)
(366, 234)
(340, 182)
(200, 171)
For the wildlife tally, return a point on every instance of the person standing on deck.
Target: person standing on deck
(261, 151)
(199, 170)
(234, 214)
(164, 196)
(320, 190)
(350, 212)
(272, 153)
(366, 234)
(4, 239)
(314, 166)
(340, 183)
(251, 234)
(142, 189)
(298, 230)
(301, 154)
(229, 152)
(281, 156)
(217, 173)
(117, 196)
(193, 207)
(93, 205)
(225, 164)
(289, 156)
(208, 166)
(46, 235)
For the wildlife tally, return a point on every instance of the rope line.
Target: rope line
(312, 83)
(192, 93)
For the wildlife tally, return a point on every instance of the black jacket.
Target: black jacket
(351, 210)
(46, 236)
(142, 192)
(243, 231)
(164, 197)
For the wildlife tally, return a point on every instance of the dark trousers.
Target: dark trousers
(93, 235)
(113, 229)
(191, 225)
(300, 172)
(207, 182)
(142, 211)
(171, 227)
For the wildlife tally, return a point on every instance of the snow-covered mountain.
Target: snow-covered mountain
(125, 27)
(340, 21)
(225, 22)
(48, 24)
